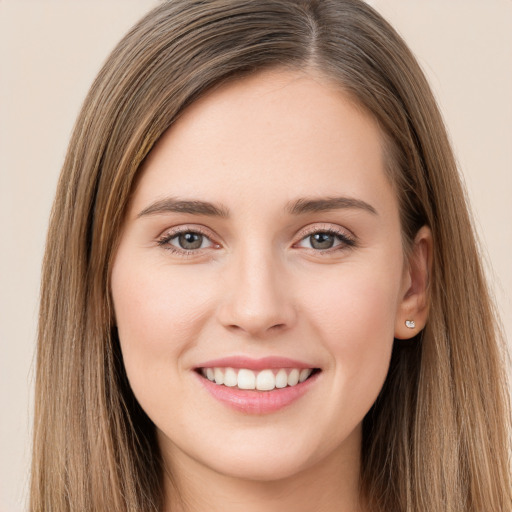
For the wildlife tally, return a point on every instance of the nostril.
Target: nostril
(256, 308)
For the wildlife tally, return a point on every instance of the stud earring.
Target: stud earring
(411, 324)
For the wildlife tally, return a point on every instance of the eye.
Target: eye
(325, 240)
(186, 241)
(321, 240)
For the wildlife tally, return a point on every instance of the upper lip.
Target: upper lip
(255, 364)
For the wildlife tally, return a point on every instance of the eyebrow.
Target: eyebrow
(305, 205)
(298, 207)
(194, 207)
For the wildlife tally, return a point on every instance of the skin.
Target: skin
(257, 287)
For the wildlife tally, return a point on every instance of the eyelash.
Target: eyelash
(346, 241)
(165, 239)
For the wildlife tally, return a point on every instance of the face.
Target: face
(260, 278)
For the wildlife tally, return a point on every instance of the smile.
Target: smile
(259, 386)
(264, 380)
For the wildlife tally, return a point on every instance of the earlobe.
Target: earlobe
(412, 312)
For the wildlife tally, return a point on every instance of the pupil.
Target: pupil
(322, 241)
(190, 241)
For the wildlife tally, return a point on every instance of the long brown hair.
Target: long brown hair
(437, 438)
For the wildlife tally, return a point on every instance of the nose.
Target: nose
(256, 296)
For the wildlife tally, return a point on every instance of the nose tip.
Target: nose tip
(257, 301)
(254, 324)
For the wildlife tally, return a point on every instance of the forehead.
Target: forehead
(277, 134)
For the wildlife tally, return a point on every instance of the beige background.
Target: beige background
(49, 54)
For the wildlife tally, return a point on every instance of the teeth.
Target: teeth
(265, 380)
(281, 379)
(230, 378)
(246, 379)
(304, 374)
(293, 378)
(219, 376)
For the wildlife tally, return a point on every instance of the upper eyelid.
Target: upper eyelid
(164, 242)
(324, 228)
(302, 233)
(186, 228)
(169, 234)
(346, 237)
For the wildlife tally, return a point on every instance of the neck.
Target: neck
(330, 485)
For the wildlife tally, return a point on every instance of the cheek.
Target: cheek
(354, 317)
(159, 313)
(354, 304)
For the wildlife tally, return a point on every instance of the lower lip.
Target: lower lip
(257, 402)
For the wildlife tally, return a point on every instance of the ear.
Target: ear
(414, 303)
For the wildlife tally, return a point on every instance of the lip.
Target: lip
(263, 363)
(253, 401)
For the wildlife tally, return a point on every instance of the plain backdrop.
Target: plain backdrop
(50, 52)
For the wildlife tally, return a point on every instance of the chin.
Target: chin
(261, 469)
(267, 455)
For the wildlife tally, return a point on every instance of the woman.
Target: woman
(261, 286)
